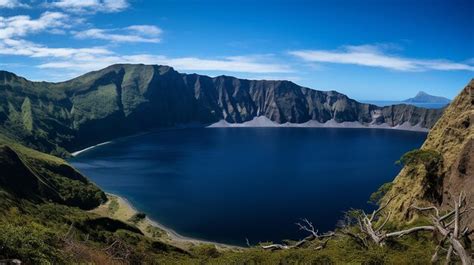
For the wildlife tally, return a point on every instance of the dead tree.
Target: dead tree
(313, 235)
(450, 226)
(453, 230)
(370, 226)
(118, 250)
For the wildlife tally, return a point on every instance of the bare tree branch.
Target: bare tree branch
(308, 227)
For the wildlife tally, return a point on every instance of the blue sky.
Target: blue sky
(367, 49)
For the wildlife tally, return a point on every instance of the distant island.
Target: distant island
(423, 97)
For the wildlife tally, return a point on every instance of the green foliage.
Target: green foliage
(27, 239)
(137, 217)
(46, 177)
(380, 193)
(206, 251)
(154, 232)
(113, 206)
(27, 114)
(428, 158)
(33, 234)
(96, 104)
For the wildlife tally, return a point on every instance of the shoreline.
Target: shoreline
(126, 210)
(264, 122)
(89, 148)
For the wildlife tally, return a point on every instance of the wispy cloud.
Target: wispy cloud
(241, 64)
(377, 56)
(11, 4)
(135, 33)
(20, 26)
(90, 6)
(30, 49)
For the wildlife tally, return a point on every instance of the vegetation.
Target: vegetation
(380, 193)
(34, 175)
(38, 231)
(124, 99)
(113, 206)
(137, 217)
(429, 158)
(43, 200)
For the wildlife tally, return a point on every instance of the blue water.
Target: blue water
(228, 184)
(383, 103)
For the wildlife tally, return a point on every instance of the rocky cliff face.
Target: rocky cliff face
(453, 138)
(125, 99)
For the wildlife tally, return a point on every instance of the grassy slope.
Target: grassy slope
(41, 207)
(449, 137)
(36, 219)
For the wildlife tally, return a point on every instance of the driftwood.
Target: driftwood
(313, 235)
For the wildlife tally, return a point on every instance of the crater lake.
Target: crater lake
(229, 184)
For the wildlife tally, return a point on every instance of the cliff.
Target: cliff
(452, 139)
(125, 99)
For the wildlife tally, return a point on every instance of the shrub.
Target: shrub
(428, 158)
(206, 251)
(113, 206)
(137, 217)
(380, 193)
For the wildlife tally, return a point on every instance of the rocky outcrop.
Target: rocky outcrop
(453, 138)
(125, 99)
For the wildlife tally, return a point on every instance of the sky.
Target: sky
(367, 49)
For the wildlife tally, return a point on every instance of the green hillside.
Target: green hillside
(45, 203)
(123, 99)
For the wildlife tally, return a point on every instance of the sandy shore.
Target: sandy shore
(89, 148)
(120, 208)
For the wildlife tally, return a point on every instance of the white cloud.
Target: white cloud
(241, 65)
(145, 29)
(375, 56)
(90, 6)
(135, 33)
(11, 4)
(20, 26)
(30, 49)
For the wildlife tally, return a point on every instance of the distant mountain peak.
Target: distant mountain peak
(423, 97)
(422, 93)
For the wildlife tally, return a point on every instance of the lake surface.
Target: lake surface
(228, 184)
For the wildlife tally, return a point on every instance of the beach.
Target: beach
(120, 208)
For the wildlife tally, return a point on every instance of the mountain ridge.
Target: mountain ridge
(66, 116)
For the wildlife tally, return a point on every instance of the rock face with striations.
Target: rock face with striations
(125, 99)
